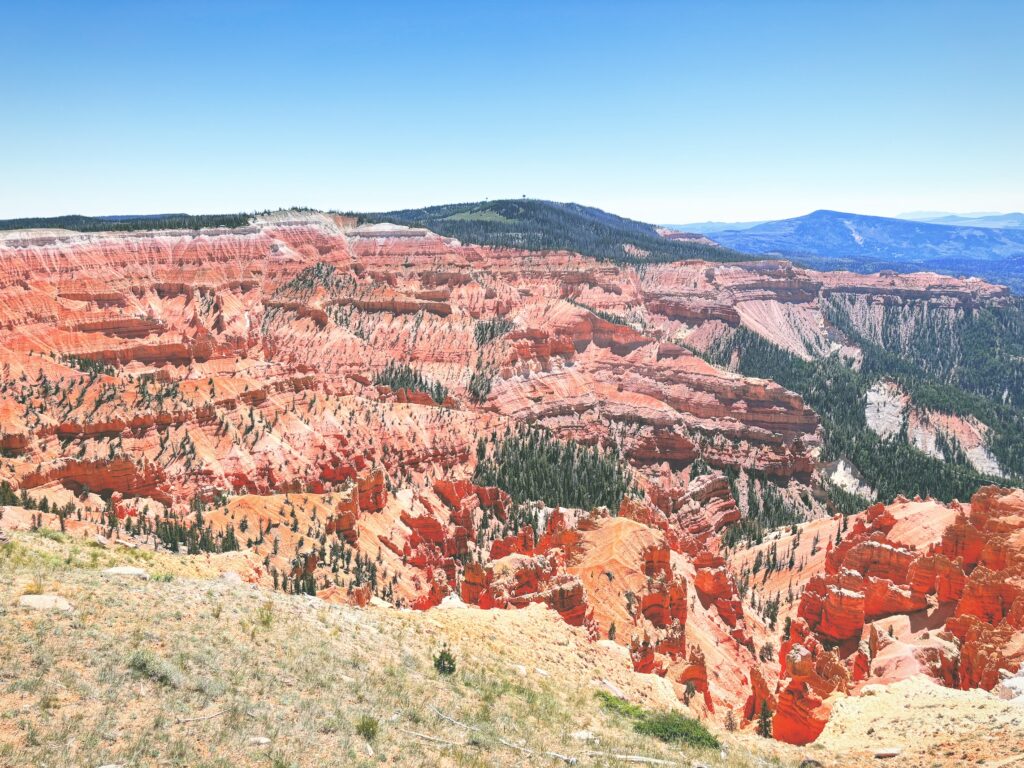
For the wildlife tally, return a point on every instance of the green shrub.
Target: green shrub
(667, 726)
(764, 721)
(619, 705)
(444, 662)
(35, 587)
(265, 614)
(149, 665)
(367, 727)
(672, 726)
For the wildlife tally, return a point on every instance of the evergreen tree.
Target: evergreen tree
(532, 465)
(764, 721)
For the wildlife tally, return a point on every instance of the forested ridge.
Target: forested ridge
(972, 366)
(401, 376)
(541, 225)
(129, 223)
(837, 392)
(979, 351)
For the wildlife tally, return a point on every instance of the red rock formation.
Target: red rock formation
(975, 570)
(695, 674)
(372, 493)
(120, 474)
(234, 370)
(810, 676)
(343, 521)
(664, 602)
(760, 695)
(645, 660)
(521, 544)
(715, 586)
(518, 580)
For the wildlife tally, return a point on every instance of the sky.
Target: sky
(666, 112)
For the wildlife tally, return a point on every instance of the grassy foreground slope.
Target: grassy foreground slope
(188, 669)
(193, 669)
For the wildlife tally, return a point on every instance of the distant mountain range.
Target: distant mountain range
(989, 220)
(993, 220)
(836, 240)
(822, 240)
(713, 227)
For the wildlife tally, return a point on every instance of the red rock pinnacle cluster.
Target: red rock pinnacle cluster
(229, 382)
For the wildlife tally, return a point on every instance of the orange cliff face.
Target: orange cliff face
(242, 361)
(230, 376)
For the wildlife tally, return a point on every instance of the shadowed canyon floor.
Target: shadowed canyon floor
(379, 416)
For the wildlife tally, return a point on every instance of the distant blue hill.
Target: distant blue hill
(995, 220)
(713, 227)
(835, 240)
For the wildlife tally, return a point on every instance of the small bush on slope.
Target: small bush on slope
(149, 665)
(444, 662)
(367, 727)
(666, 726)
(619, 706)
(672, 726)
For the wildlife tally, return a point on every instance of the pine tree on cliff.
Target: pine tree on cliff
(764, 721)
(230, 542)
(7, 496)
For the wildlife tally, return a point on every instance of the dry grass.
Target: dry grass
(35, 587)
(199, 672)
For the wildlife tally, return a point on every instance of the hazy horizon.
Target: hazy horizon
(663, 112)
(922, 216)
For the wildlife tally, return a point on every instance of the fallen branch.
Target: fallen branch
(433, 739)
(568, 759)
(632, 758)
(182, 720)
(452, 720)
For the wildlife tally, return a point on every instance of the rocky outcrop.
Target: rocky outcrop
(968, 581)
(715, 586)
(343, 520)
(120, 475)
(371, 490)
(810, 676)
(518, 580)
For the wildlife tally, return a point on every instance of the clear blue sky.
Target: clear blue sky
(668, 112)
